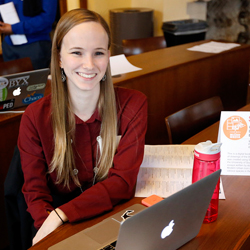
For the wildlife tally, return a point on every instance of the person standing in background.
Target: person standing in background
(36, 20)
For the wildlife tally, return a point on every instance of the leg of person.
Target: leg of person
(39, 53)
(9, 52)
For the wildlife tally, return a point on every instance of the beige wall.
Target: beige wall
(73, 4)
(103, 6)
(164, 10)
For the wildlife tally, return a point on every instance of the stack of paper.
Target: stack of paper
(165, 170)
(213, 47)
(9, 15)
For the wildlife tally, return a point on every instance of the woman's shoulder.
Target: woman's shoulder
(131, 95)
(130, 101)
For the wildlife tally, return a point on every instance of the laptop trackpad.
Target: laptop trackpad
(76, 242)
(105, 231)
(91, 238)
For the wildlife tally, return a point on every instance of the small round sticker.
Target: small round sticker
(3, 82)
(235, 128)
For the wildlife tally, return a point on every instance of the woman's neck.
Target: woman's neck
(84, 103)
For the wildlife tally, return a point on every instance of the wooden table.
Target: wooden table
(174, 78)
(210, 133)
(232, 225)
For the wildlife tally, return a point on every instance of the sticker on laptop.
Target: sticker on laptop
(3, 89)
(6, 105)
(32, 98)
(3, 94)
(36, 87)
(18, 81)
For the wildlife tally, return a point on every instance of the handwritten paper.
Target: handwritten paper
(165, 170)
(235, 137)
(213, 47)
(120, 65)
(9, 15)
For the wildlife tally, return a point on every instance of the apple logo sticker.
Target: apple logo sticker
(167, 230)
(17, 92)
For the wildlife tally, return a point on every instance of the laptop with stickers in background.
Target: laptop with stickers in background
(168, 224)
(22, 89)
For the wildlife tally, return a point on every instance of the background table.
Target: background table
(210, 133)
(174, 78)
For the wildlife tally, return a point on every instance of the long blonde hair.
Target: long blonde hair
(63, 119)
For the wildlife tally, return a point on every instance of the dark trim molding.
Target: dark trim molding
(83, 4)
(63, 5)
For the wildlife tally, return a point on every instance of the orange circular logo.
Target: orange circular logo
(235, 128)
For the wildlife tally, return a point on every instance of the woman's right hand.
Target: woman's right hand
(52, 222)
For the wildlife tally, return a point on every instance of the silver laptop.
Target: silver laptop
(22, 89)
(168, 224)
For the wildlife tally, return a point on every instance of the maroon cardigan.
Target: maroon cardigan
(36, 147)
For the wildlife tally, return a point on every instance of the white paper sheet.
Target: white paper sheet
(235, 137)
(165, 170)
(120, 65)
(9, 15)
(213, 47)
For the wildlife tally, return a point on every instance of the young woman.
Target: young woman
(81, 147)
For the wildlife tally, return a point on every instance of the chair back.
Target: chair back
(19, 220)
(138, 46)
(189, 121)
(15, 66)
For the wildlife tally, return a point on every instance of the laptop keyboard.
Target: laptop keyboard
(111, 246)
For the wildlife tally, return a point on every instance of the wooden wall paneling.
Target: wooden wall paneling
(83, 4)
(63, 6)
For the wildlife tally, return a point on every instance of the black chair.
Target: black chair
(189, 121)
(20, 222)
(138, 46)
(21, 228)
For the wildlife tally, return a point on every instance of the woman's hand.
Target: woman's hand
(50, 224)
(5, 28)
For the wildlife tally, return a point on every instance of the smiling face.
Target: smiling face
(84, 57)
